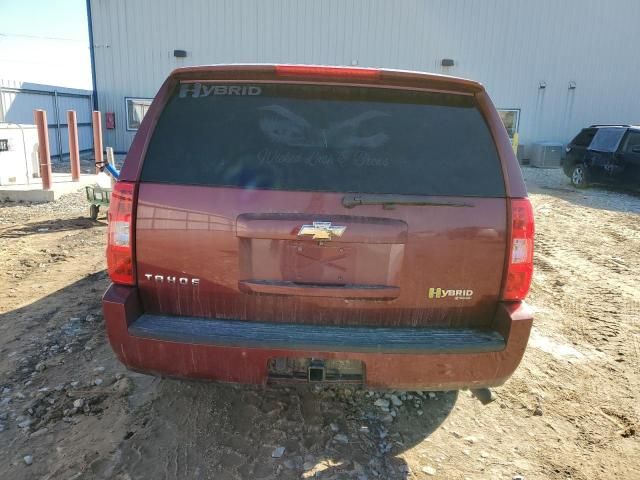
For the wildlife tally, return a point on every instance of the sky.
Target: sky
(45, 41)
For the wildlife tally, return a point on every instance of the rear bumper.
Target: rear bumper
(228, 351)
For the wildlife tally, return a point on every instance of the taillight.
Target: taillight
(520, 268)
(120, 262)
(338, 72)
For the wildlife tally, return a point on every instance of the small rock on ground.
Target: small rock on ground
(429, 470)
(382, 403)
(342, 438)
(277, 452)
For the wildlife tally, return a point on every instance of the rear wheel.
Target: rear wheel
(579, 176)
(93, 212)
(567, 167)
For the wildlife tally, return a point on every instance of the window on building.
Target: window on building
(136, 110)
(510, 118)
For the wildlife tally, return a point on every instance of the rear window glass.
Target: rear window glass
(607, 139)
(324, 138)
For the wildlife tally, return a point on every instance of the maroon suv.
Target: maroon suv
(320, 224)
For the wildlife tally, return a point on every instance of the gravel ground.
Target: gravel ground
(69, 410)
(73, 204)
(547, 181)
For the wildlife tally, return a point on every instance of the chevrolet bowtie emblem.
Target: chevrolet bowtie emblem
(322, 230)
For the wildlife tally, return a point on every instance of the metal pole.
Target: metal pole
(74, 151)
(97, 138)
(110, 158)
(44, 158)
(111, 161)
(2, 112)
(56, 110)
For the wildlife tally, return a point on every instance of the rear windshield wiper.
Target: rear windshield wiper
(390, 201)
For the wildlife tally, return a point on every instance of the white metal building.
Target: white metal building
(18, 100)
(554, 66)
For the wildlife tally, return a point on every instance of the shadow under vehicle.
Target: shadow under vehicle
(198, 429)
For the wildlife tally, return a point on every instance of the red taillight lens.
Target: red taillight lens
(338, 72)
(120, 264)
(520, 268)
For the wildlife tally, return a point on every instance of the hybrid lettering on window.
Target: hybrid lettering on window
(198, 90)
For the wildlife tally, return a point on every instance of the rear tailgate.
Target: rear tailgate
(323, 204)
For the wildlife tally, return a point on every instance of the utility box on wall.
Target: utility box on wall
(546, 155)
(110, 120)
(18, 154)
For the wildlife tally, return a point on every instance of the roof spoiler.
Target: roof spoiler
(329, 74)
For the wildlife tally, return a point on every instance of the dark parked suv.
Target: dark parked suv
(320, 224)
(604, 154)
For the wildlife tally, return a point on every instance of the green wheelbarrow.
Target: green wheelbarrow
(97, 197)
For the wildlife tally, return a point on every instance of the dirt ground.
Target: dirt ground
(69, 410)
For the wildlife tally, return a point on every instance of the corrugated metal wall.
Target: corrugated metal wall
(18, 100)
(510, 46)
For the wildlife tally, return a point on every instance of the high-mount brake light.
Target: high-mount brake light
(336, 72)
(520, 268)
(120, 261)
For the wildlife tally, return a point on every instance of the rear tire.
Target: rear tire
(580, 176)
(567, 167)
(93, 212)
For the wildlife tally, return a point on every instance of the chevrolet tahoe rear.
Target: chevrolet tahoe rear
(284, 223)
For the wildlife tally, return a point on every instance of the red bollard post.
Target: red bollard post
(74, 150)
(44, 158)
(97, 138)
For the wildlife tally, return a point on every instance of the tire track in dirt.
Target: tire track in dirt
(584, 261)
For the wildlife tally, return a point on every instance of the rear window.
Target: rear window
(583, 139)
(324, 138)
(607, 139)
